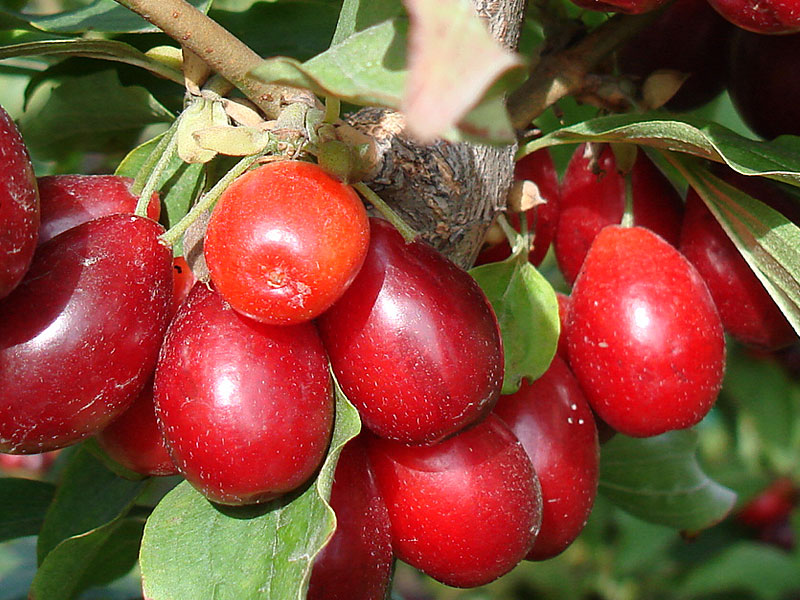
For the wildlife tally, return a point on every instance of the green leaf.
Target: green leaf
(92, 113)
(95, 558)
(659, 480)
(180, 183)
(267, 551)
(527, 311)
(446, 76)
(765, 572)
(767, 240)
(100, 16)
(101, 49)
(296, 28)
(767, 405)
(367, 69)
(23, 505)
(357, 15)
(778, 159)
(89, 498)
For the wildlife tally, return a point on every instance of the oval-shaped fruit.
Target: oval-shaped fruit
(183, 280)
(19, 206)
(767, 99)
(593, 197)
(357, 562)
(284, 242)
(246, 408)
(644, 337)
(69, 200)
(134, 440)
(631, 7)
(747, 311)
(80, 335)
(699, 51)
(553, 421)
(761, 16)
(413, 342)
(537, 167)
(464, 511)
(771, 506)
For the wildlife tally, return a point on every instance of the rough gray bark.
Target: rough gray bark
(450, 192)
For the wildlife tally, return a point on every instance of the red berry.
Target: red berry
(134, 440)
(593, 196)
(771, 506)
(413, 342)
(357, 562)
(284, 242)
(183, 281)
(645, 339)
(563, 317)
(80, 335)
(19, 207)
(537, 167)
(554, 423)
(747, 311)
(761, 16)
(464, 511)
(246, 408)
(69, 200)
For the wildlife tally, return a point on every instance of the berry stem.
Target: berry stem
(627, 215)
(150, 163)
(386, 211)
(208, 199)
(167, 151)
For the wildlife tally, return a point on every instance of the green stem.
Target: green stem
(627, 215)
(208, 199)
(408, 233)
(154, 178)
(147, 168)
(332, 109)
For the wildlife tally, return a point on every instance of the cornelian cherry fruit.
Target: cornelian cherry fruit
(19, 206)
(413, 342)
(464, 511)
(644, 337)
(553, 421)
(284, 242)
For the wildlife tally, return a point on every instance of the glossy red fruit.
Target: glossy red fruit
(764, 96)
(644, 337)
(563, 316)
(134, 440)
(357, 562)
(80, 335)
(537, 167)
(747, 311)
(699, 51)
(246, 408)
(593, 196)
(183, 281)
(464, 511)
(69, 200)
(284, 242)
(553, 421)
(19, 206)
(413, 342)
(761, 16)
(772, 506)
(631, 7)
